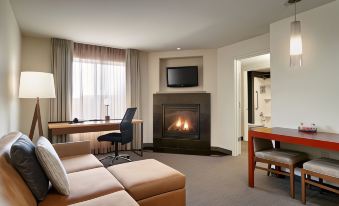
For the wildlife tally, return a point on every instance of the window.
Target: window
(96, 83)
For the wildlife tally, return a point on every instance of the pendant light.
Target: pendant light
(296, 47)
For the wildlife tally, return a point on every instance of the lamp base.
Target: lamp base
(36, 118)
(107, 118)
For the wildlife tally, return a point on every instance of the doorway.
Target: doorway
(253, 94)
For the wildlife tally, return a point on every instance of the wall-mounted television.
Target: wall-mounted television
(186, 76)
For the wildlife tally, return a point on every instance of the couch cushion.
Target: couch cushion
(52, 165)
(120, 198)
(25, 161)
(325, 166)
(80, 163)
(147, 178)
(282, 156)
(13, 189)
(85, 185)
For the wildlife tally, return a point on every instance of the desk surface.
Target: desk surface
(59, 125)
(61, 128)
(285, 132)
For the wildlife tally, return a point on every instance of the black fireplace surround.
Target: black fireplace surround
(182, 123)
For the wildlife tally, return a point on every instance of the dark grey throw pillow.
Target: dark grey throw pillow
(25, 161)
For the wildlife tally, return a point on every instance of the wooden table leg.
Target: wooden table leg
(277, 144)
(250, 160)
(141, 150)
(142, 138)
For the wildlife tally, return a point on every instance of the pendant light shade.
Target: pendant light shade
(296, 45)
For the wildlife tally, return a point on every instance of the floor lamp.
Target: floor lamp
(36, 85)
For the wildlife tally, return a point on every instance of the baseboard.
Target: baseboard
(182, 151)
(214, 150)
(147, 146)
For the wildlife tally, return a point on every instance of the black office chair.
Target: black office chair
(124, 136)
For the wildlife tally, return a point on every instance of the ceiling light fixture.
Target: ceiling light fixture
(296, 47)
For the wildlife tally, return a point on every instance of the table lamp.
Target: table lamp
(106, 103)
(36, 85)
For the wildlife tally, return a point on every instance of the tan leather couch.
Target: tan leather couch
(91, 183)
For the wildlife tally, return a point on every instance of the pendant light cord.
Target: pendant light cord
(295, 10)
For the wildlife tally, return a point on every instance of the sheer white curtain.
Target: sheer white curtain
(99, 78)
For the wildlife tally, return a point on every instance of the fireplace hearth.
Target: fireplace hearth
(181, 123)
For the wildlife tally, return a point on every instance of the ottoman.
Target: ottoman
(151, 183)
(114, 199)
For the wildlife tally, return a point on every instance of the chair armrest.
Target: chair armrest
(72, 148)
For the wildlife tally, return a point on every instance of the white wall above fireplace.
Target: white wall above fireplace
(179, 62)
(152, 84)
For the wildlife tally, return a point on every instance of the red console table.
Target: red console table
(322, 140)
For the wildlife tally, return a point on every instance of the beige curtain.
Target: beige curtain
(60, 107)
(99, 78)
(134, 89)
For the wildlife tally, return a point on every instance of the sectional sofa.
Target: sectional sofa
(146, 182)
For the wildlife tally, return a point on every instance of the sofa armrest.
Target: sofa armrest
(72, 148)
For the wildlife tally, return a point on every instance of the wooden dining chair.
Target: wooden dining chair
(264, 152)
(323, 169)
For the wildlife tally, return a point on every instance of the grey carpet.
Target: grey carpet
(222, 180)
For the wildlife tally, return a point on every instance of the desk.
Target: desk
(62, 128)
(321, 140)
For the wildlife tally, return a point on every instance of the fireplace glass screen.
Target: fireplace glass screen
(181, 121)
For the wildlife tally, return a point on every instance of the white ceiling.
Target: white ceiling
(153, 24)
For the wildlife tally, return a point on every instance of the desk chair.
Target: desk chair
(265, 153)
(123, 136)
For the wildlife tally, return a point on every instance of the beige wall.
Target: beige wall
(226, 107)
(151, 84)
(309, 94)
(35, 57)
(10, 38)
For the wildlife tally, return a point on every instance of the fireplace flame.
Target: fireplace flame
(178, 124)
(186, 125)
(181, 125)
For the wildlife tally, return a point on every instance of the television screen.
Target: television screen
(182, 76)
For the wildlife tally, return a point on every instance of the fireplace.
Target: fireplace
(181, 123)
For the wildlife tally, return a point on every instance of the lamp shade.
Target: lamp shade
(36, 84)
(296, 45)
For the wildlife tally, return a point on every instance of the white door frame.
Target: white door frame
(237, 94)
